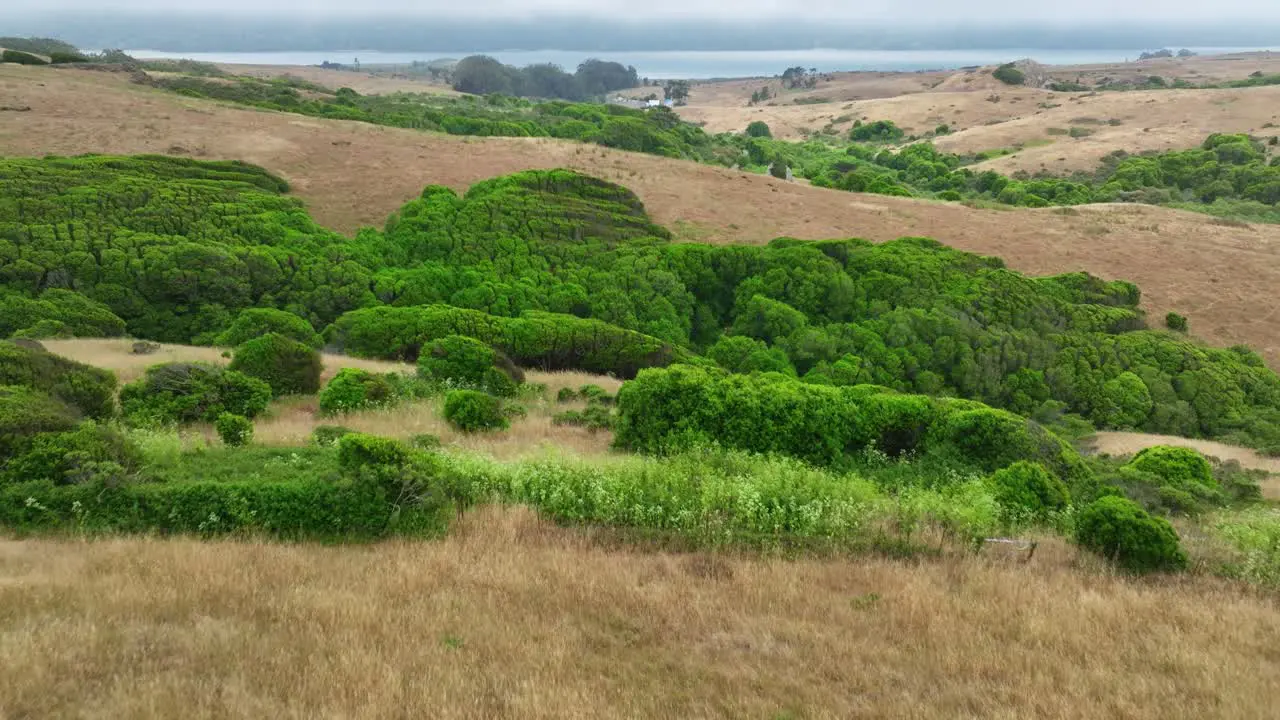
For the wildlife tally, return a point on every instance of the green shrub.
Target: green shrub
(566, 394)
(357, 451)
(759, 129)
(353, 389)
(1121, 531)
(1177, 467)
(1030, 487)
(192, 392)
(15, 56)
(256, 322)
(25, 413)
(89, 390)
(474, 411)
(425, 441)
(594, 417)
(670, 409)
(63, 58)
(288, 366)
(1009, 74)
(235, 430)
(83, 454)
(57, 313)
(329, 435)
(1175, 322)
(467, 362)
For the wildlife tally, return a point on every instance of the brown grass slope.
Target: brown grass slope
(351, 174)
(512, 618)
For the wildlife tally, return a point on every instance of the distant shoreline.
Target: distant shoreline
(703, 64)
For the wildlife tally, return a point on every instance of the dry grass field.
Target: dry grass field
(290, 421)
(1222, 276)
(512, 618)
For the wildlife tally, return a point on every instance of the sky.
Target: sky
(916, 12)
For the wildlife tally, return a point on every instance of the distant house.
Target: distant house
(652, 103)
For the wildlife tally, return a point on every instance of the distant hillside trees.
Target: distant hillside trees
(798, 78)
(484, 75)
(677, 91)
(1009, 75)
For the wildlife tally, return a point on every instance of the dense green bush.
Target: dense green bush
(1028, 486)
(682, 406)
(25, 413)
(474, 411)
(256, 322)
(288, 366)
(353, 389)
(235, 430)
(89, 451)
(1175, 322)
(1009, 74)
(467, 362)
(1181, 470)
(329, 435)
(73, 314)
(192, 392)
(22, 58)
(880, 131)
(1121, 531)
(759, 129)
(89, 390)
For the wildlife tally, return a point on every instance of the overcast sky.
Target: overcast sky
(911, 11)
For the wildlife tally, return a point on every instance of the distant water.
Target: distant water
(697, 64)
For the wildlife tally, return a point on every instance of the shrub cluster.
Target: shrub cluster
(253, 323)
(353, 389)
(235, 430)
(1121, 531)
(192, 392)
(89, 390)
(681, 406)
(467, 362)
(286, 365)
(474, 411)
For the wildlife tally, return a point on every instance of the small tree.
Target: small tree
(474, 411)
(1009, 75)
(1029, 486)
(677, 91)
(1175, 322)
(759, 129)
(288, 366)
(235, 430)
(1121, 531)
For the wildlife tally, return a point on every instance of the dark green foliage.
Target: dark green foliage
(235, 430)
(357, 450)
(38, 45)
(1175, 322)
(329, 435)
(467, 362)
(536, 339)
(288, 366)
(425, 441)
(1121, 531)
(64, 58)
(89, 390)
(682, 406)
(256, 322)
(352, 389)
(1178, 467)
(22, 58)
(1009, 74)
(593, 417)
(759, 129)
(1028, 486)
(742, 354)
(474, 411)
(192, 392)
(76, 314)
(880, 131)
(91, 451)
(25, 413)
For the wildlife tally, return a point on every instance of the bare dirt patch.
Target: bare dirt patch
(352, 174)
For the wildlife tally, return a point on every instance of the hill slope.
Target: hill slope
(1220, 275)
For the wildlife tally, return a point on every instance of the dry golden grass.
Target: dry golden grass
(509, 617)
(290, 421)
(354, 174)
